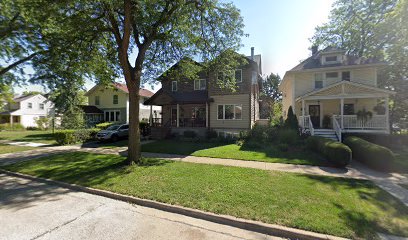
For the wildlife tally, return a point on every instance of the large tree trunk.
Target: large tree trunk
(134, 150)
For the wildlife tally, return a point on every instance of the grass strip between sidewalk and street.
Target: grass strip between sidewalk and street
(6, 148)
(336, 206)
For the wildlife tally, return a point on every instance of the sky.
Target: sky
(279, 30)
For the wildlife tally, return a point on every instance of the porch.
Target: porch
(9, 118)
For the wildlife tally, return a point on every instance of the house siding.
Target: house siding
(243, 99)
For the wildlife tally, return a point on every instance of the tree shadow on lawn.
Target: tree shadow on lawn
(179, 147)
(362, 222)
(34, 137)
(294, 155)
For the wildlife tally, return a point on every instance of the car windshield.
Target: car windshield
(113, 128)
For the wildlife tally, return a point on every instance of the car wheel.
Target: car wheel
(114, 138)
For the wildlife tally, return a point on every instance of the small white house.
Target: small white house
(27, 109)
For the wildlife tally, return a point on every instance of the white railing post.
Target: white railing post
(387, 115)
(342, 112)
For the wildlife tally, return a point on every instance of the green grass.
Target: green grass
(401, 161)
(5, 148)
(336, 206)
(233, 151)
(28, 136)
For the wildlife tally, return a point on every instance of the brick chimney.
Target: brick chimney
(252, 53)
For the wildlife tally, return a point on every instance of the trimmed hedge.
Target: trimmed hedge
(71, 136)
(104, 125)
(336, 152)
(9, 127)
(372, 155)
(393, 141)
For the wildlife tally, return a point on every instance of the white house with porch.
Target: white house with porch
(332, 93)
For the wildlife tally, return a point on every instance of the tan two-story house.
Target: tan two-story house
(202, 104)
(332, 92)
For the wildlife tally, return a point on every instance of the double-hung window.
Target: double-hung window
(345, 76)
(236, 75)
(332, 76)
(115, 99)
(229, 112)
(199, 84)
(41, 106)
(30, 105)
(97, 100)
(174, 86)
(318, 80)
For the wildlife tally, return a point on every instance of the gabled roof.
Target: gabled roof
(22, 98)
(122, 87)
(313, 61)
(350, 88)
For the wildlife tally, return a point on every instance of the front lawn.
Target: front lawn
(336, 206)
(5, 148)
(28, 136)
(267, 153)
(401, 161)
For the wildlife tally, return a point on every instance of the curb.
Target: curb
(250, 225)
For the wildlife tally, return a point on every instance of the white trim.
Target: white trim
(113, 99)
(338, 68)
(240, 81)
(343, 96)
(199, 87)
(223, 112)
(114, 111)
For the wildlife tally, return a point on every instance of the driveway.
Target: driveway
(33, 210)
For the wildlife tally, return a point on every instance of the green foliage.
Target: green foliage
(337, 153)
(283, 147)
(287, 136)
(326, 121)
(392, 141)
(43, 123)
(11, 127)
(291, 120)
(6, 94)
(211, 134)
(189, 134)
(364, 115)
(373, 155)
(72, 136)
(144, 128)
(73, 119)
(103, 125)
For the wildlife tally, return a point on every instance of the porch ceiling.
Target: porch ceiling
(346, 89)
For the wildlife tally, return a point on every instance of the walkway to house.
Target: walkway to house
(387, 181)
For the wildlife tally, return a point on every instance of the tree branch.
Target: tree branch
(15, 64)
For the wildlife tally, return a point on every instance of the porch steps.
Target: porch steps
(326, 133)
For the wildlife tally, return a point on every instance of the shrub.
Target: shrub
(291, 120)
(287, 136)
(73, 119)
(283, 147)
(210, 134)
(337, 153)
(373, 155)
(103, 125)
(393, 141)
(11, 127)
(71, 136)
(259, 132)
(144, 129)
(253, 144)
(189, 134)
(43, 123)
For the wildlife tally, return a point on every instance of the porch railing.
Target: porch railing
(353, 122)
(306, 123)
(337, 128)
(156, 122)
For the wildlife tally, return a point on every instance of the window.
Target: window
(42, 106)
(230, 112)
(199, 84)
(348, 109)
(238, 75)
(97, 100)
(331, 59)
(112, 116)
(332, 75)
(174, 86)
(345, 76)
(30, 105)
(115, 99)
(124, 127)
(318, 80)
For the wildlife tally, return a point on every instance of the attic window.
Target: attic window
(174, 86)
(332, 75)
(331, 59)
(115, 99)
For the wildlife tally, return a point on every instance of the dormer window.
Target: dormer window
(331, 59)
(345, 76)
(332, 75)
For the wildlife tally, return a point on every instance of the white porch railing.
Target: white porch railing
(337, 128)
(352, 122)
(305, 123)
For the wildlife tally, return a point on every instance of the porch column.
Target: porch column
(206, 115)
(178, 115)
(303, 113)
(151, 115)
(387, 114)
(341, 112)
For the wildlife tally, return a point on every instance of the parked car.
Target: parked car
(113, 133)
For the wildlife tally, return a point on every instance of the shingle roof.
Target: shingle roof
(22, 98)
(142, 91)
(179, 97)
(314, 60)
(90, 109)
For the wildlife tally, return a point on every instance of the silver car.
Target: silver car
(113, 133)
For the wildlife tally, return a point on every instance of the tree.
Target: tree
(6, 95)
(291, 120)
(157, 32)
(269, 95)
(352, 26)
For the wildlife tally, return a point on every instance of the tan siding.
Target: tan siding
(287, 96)
(230, 99)
(106, 98)
(365, 76)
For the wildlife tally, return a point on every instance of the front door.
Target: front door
(314, 112)
(174, 117)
